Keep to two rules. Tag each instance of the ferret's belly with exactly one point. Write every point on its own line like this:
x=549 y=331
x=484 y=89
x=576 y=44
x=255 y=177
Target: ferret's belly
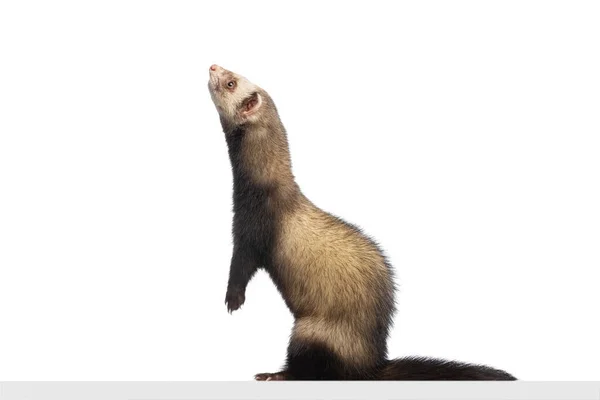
x=328 y=269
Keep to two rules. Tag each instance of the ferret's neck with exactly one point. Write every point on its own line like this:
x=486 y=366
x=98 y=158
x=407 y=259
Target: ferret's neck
x=260 y=159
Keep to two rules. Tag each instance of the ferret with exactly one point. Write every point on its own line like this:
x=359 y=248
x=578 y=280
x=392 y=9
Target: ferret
x=335 y=280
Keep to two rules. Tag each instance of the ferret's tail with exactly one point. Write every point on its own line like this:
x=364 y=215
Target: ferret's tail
x=431 y=369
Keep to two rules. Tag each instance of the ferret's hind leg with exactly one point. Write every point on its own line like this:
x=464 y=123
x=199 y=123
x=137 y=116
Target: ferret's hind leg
x=277 y=376
x=308 y=361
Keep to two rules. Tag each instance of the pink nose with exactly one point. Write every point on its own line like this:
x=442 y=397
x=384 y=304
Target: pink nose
x=214 y=67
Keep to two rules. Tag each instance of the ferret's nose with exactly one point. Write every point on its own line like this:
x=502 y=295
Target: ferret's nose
x=214 y=67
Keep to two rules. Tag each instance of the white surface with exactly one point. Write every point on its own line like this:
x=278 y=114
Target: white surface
x=300 y=390
x=463 y=136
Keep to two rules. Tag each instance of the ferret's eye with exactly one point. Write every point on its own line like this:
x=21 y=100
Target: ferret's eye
x=230 y=84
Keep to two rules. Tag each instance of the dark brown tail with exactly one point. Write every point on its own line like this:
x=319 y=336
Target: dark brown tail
x=312 y=361
x=431 y=369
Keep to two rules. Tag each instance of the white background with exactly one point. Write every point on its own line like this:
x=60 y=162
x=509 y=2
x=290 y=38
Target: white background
x=463 y=136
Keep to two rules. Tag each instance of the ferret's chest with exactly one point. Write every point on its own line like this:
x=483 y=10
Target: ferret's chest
x=254 y=223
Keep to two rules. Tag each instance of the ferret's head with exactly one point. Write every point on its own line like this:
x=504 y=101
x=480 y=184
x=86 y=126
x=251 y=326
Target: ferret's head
x=238 y=100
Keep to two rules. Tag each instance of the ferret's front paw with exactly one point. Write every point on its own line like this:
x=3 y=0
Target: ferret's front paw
x=234 y=299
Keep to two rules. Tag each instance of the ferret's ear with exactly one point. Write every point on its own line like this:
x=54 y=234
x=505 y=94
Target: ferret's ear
x=251 y=105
